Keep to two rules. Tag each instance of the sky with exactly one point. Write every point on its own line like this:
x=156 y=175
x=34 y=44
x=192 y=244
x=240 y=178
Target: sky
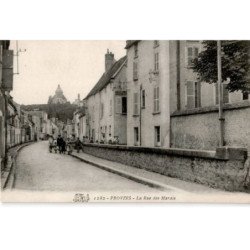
x=75 y=65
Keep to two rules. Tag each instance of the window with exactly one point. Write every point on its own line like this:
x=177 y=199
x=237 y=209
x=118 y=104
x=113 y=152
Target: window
x=135 y=71
x=197 y=94
x=156 y=43
x=136 y=136
x=109 y=130
x=156 y=61
x=110 y=107
x=102 y=110
x=136 y=50
x=192 y=53
x=156 y=99
x=136 y=110
x=118 y=105
x=124 y=105
x=143 y=98
x=245 y=95
x=193 y=95
x=225 y=94
x=157 y=136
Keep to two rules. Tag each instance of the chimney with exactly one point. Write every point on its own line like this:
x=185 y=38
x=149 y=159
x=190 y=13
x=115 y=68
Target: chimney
x=109 y=60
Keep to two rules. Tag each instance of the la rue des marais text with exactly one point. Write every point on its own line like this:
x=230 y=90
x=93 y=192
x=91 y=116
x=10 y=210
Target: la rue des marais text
x=87 y=198
x=133 y=198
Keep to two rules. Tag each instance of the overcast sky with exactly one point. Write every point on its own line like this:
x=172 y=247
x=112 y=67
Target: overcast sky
x=75 y=65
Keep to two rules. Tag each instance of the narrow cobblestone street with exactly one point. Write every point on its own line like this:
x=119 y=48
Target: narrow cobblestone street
x=39 y=170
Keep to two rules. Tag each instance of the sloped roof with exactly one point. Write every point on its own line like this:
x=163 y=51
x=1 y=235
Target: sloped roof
x=106 y=77
x=129 y=43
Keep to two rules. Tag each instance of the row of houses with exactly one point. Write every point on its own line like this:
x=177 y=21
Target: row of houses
x=152 y=98
x=16 y=125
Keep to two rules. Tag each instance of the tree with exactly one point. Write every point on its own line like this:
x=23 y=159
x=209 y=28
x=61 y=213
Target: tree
x=235 y=64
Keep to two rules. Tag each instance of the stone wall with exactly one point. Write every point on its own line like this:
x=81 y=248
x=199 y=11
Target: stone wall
x=215 y=169
x=199 y=128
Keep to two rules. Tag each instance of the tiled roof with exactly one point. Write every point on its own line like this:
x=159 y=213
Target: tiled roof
x=106 y=77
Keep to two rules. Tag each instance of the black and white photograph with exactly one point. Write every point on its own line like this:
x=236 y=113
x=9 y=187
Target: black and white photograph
x=125 y=121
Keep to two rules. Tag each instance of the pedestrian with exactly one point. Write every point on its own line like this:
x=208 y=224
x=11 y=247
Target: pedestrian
x=78 y=145
x=50 y=143
x=63 y=146
x=60 y=143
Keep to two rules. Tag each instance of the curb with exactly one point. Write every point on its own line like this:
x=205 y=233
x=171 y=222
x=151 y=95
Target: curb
x=138 y=179
x=11 y=171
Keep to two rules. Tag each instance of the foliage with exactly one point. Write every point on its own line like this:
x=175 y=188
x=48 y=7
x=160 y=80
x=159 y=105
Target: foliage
x=235 y=66
x=61 y=111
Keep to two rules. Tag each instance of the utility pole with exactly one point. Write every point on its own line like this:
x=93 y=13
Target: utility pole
x=17 y=57
x=220 y=94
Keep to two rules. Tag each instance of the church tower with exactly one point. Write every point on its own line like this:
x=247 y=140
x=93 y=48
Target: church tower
x=58 y=97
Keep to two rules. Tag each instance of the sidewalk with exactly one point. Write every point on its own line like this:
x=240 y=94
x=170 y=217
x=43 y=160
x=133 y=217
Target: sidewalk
x=145 y=177
x=7 y=175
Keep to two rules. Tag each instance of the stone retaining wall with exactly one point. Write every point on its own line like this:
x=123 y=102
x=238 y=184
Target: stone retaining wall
x=199 y=128
x=211 y=168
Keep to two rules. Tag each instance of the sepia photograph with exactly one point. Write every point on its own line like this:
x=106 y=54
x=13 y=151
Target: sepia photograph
x=125 y=121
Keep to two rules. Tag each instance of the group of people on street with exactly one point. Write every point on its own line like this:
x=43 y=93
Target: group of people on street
x=61 y=145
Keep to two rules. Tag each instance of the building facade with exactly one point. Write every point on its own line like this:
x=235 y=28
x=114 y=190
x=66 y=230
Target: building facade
x=148 y=84
x=106 y=117
x=161 y=82
x=6 y=85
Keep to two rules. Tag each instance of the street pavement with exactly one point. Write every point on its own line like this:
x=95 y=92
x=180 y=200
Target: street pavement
x=39 y=170
x=58 y=178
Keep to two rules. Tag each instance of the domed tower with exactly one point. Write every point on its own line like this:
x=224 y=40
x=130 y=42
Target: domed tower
x=59 y=96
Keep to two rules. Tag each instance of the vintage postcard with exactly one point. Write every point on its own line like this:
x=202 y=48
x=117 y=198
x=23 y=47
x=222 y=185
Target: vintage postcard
x=125 y=121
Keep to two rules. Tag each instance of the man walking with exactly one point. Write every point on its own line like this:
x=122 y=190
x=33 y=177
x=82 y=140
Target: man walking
x=78 y=145
x=60 y=143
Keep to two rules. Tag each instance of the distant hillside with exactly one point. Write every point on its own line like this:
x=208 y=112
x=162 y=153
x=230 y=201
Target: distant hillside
x=60 y=111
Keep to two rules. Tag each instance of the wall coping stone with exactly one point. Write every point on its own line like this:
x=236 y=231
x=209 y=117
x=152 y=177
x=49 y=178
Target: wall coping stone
x=210 y=109
x=157 y=150
x=231 y=153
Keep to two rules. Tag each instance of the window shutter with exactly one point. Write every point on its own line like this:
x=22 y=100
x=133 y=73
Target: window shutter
x=197 y=94
x=189 y=56
x=118 y=104
x=110 y=107
x=190 y=95
x=135 y=103
x=157 y=99
x=7 y=73
x=196 y=52
x=135 y=71
x=155 y=94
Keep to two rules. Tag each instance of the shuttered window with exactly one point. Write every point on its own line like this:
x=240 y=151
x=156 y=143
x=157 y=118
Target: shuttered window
x=156 y=61
x=193 y=94
x=110 y=107
x=136 y=103
x=135 y=71
x=156 y=99
x=102 y=110
x=190 y=94
x=197 y=94
x=118 y=104
x=192 y=53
